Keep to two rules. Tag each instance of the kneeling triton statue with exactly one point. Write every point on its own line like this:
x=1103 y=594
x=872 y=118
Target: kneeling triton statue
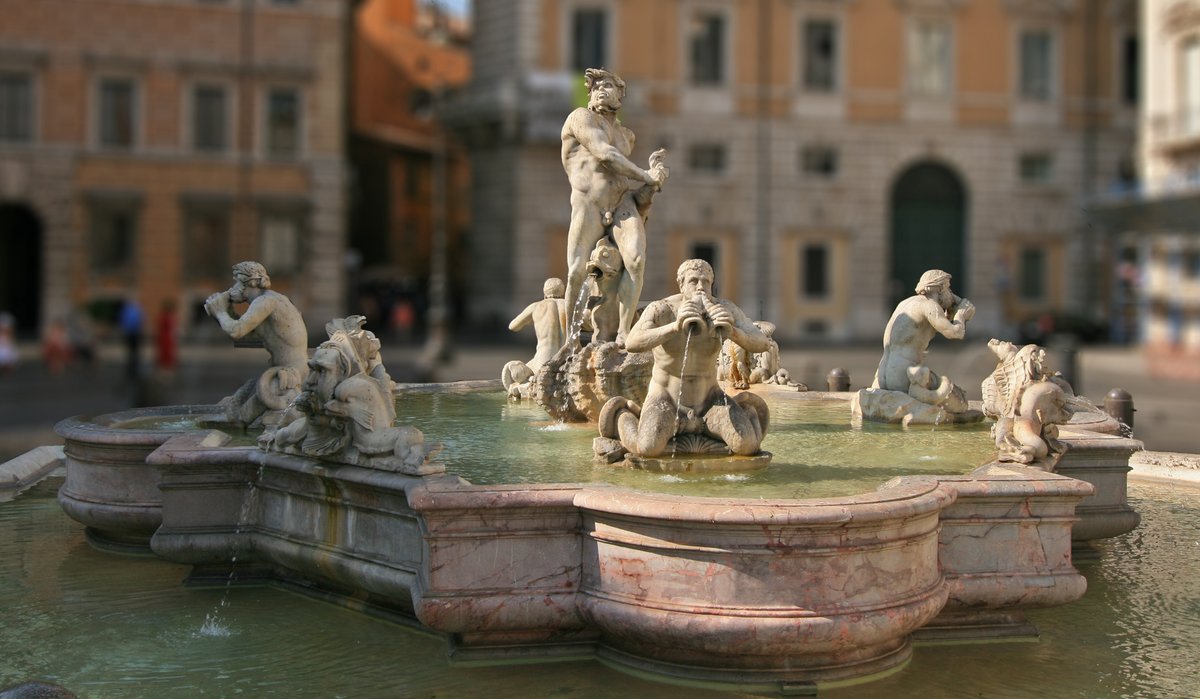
x=685 y=410
x=905 y=390
x=272 y=319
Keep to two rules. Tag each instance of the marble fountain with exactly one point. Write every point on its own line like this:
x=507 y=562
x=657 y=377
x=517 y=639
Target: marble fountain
x=317 y=476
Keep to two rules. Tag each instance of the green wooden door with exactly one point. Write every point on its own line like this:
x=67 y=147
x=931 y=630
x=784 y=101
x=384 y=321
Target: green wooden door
x=929 y=214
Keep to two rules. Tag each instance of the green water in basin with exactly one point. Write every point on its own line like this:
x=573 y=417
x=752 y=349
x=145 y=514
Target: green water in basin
x=116 y=626
x=817 y=451
x=184 y=423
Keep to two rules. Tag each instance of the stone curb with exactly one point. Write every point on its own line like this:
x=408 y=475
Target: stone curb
x=29 y=468
x=1166 y=466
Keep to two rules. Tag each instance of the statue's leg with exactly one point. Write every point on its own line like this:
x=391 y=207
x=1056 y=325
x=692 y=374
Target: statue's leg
x=740 y=422
x=586 y=228
x=629 y=233
x=649 y=435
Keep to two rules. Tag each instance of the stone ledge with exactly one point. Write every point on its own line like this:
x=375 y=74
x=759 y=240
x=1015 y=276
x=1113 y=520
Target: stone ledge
x=28 y=469
x=1166 y=466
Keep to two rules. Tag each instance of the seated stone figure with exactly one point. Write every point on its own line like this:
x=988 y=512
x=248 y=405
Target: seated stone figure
x=685 y=410
x=270 y=318
x=346 y=410
x=904 y=390
x=548 y=317
x=1027 y=401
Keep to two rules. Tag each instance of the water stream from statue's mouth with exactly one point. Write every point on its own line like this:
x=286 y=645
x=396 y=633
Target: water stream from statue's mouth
x=573 y=332
x=687 y=341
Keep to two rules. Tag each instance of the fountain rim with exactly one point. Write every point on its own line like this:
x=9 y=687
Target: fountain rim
x=438 y=491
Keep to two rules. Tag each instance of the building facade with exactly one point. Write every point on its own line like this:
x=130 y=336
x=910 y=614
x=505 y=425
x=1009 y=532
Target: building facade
x=1156 y=226
x=412 y=183
x=147 y=145
x=823 y=153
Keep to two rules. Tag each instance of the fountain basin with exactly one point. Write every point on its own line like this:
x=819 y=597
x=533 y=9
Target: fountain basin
x=733 y=591
x=109 y=487
x=757 y=593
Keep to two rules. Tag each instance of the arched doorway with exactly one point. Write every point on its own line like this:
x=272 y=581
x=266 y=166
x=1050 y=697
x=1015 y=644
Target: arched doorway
x=929 y=217
x=20 y=265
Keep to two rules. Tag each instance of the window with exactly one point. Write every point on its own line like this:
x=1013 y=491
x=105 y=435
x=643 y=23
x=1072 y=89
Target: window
x=821 y=161
x=589 y=39
x=929 y=59
x=706 y=36
x=1035 y=168
x=420 y=103
x=814 y=279
x=113 y=237
x=707 y=157
x=118 y=98
x=16 y=107
x=1191 y=264
x=1031 y=274
x=1190 y=90
x=280 y=238
x=210 y=118
x=1131 y=88
x=820 y=55
x=283 y=122
x=206 y=239
x=1037 y=65
x=707 y=251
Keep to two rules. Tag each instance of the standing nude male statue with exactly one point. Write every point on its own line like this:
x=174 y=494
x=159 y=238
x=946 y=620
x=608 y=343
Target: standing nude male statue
x=595 y=155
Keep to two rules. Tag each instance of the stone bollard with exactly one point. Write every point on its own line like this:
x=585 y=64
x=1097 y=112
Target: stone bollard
x=838 y=380
x=1063 y=350
x=1119 y=404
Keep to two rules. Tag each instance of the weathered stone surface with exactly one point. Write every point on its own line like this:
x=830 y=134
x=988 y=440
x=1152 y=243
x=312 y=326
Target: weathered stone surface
x=893 y=406
x=574 y=386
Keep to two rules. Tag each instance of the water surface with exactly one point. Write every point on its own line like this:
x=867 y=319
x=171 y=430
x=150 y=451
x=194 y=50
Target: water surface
x=116 y=626
x=817 y=451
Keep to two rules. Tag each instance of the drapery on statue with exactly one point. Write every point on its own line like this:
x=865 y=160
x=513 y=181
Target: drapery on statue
x=346 y=410
x=684 y=402
x=1027 y=401
x=272 y=319
x=604 y=201
x=904 y=389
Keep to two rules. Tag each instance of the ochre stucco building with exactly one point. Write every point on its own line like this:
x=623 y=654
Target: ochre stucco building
x=146 y=145
x=823 y=152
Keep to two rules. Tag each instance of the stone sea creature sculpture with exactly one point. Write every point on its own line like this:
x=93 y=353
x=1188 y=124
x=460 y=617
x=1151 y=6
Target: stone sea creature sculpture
x=574 y=384
x=904 y=389
x=578 y=381
x=272 y=319
x=604 y=270
x=742 y=369
x=1027 y=402
x=610 y=195
x=549 y=319
x=346 y=410
x=685 y=411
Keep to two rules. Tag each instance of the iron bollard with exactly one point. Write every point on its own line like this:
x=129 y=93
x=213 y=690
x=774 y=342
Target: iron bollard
x=1119 y=404
x=838 y=380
